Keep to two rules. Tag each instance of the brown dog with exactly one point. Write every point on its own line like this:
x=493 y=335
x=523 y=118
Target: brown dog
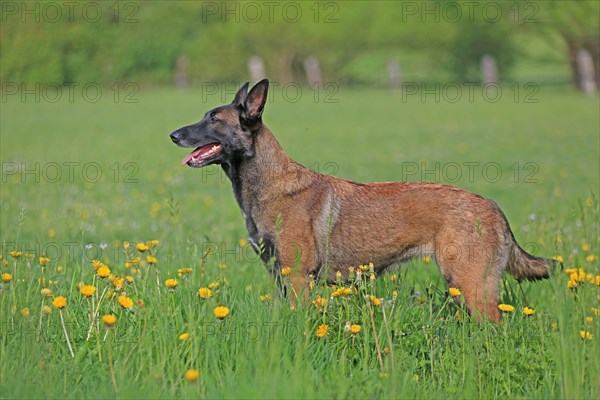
x=321 y=224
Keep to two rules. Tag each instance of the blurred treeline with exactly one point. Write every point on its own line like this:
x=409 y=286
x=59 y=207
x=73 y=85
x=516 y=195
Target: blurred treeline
x=353 y=41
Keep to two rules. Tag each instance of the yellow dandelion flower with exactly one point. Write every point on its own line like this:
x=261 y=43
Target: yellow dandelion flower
x=528 y=311
x=97 y=264
x=118 y=283
x=205 y=293
x=59 y=268
x=596 y=311
x=243 y=243
x=184 y=271
x=363 y=268
x=591 y=258
x=47 y=310
x=322 y=330
x=129 y=278
x=88 y=290
x=15 y=254
x=585 y=247
x=46 y=292
x=213 y=285
x=454 y=292
x=506 y=308
x=393 y=277
x=221 y=312
x=6 y=277
x=151 y=260
x=103 y=271
x=125 y=302
x=572 y=284
x=559 y=258
x=154 y=242
x=375 y=300
x=286 y=271
x=395 y=293
x=338 y=275
x=142 y=247
x=265 y=297
x=319 y=302
x=589 y=202
x=192 y=375
x=125 y=245
x=598 y=280
x=589 y=320
x=59 y=302
x=426 y=259
x=355 y=329
x=184 y=336
x=44 y=260
x=585 y=335
x=25 y=312
x=171 y=283
x=109 y=320
x=571 y=271
x=343 y=291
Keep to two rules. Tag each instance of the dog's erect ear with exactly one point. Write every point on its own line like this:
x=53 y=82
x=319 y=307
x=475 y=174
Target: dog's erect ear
x=240 y=96
x=255 y=102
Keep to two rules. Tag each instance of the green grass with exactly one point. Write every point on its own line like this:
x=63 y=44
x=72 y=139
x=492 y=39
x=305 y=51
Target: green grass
x=548 y=156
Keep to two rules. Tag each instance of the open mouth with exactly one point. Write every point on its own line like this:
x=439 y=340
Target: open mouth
x=202 y=154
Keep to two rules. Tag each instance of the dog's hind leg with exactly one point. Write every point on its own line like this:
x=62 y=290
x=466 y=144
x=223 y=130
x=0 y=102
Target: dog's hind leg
x=476 y=277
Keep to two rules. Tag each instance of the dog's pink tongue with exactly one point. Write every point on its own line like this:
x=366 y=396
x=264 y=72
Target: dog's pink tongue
x=188 y=157
x=202 y=153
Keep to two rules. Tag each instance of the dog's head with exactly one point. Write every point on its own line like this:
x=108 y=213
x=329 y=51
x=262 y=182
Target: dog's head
x=225 y=132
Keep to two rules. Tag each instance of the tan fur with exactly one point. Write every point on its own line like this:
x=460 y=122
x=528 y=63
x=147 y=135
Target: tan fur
x=383 y=223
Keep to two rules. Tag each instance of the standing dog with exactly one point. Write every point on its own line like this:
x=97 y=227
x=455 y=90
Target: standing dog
x=321 y=224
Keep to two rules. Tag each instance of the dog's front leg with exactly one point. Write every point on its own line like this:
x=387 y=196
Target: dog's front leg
x=297 y=258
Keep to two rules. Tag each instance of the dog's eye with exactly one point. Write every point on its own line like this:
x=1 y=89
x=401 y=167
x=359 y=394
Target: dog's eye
x=212 y=114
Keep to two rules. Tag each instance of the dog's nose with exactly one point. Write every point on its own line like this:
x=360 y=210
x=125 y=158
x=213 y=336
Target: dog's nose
x=175 y=136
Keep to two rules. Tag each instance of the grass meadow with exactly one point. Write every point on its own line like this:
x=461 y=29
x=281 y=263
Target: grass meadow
x=97 y=212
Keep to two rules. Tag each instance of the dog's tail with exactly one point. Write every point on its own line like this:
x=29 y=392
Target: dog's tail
x=522 y=265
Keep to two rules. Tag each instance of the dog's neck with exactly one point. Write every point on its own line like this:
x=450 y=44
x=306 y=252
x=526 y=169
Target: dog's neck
x=269 y=171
